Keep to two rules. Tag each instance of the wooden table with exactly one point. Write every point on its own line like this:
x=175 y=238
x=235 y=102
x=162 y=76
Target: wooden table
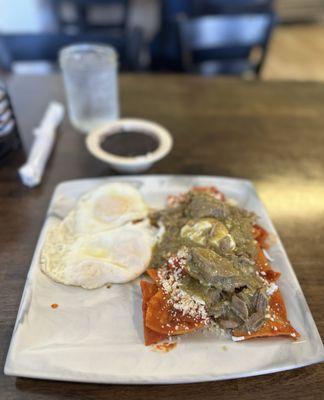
x=271 y=133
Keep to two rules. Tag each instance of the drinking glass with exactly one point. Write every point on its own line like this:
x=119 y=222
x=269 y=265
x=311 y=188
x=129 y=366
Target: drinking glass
x=90 y=79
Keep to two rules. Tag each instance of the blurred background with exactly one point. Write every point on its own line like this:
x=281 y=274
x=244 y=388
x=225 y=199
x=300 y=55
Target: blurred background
x=281 y=39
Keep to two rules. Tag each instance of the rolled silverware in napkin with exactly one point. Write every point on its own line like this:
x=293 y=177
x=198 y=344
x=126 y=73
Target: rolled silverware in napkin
x=32 y=171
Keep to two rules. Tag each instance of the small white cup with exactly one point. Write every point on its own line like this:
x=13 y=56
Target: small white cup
x=133 y=164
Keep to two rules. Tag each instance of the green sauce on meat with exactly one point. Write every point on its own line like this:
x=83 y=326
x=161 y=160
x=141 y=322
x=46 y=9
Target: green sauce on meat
x=217 y=239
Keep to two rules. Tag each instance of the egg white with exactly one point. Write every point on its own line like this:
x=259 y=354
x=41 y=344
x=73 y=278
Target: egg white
x=108 y=206
x=91 y=261
x=98 y=242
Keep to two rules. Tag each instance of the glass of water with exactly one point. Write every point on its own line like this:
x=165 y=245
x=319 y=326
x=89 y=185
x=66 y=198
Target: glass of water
x=90 y=79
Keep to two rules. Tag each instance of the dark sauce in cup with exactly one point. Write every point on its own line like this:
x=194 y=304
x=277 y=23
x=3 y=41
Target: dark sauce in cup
x=130 y=143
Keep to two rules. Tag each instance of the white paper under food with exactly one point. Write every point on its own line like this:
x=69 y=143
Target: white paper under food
x=97 y=336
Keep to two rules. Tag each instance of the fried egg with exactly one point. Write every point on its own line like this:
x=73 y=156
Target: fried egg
x=108 y=206
x=98 y=242
x=118 y=255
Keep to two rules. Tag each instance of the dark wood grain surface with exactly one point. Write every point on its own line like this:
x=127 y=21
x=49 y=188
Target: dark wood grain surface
x=271 y=133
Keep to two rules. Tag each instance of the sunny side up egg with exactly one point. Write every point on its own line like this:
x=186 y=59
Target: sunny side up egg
x=91 y=261
x=87 y=249
x=108 y=206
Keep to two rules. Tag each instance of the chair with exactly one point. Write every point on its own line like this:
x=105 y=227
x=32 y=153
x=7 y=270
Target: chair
x=165 y=48
x=215 y=45
x=225 y=7
x=81 y=10
x=46 y=46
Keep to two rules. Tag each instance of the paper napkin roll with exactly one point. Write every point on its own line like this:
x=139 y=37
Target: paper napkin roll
x=32 y=171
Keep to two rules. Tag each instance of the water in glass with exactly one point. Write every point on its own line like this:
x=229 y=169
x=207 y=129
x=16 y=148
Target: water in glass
x=90 y=78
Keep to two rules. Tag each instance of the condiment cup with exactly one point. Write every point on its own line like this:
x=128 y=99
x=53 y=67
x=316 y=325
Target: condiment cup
x=130 y=164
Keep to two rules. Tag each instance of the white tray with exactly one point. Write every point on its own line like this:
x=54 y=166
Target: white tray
x=97 y=336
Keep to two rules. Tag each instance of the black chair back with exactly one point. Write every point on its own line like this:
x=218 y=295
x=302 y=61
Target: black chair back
x=212 y=7
x=46 y=46
x=82 y=10
x=165 y=47
x=223 y=44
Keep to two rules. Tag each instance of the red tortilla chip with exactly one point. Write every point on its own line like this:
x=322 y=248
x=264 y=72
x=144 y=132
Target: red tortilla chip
x=265 y=268
x=162 y=318
x=153 y=273
x=148 y=291
x=261 y=236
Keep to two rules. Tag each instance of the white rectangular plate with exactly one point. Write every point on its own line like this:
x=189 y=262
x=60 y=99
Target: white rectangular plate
x=97 y=336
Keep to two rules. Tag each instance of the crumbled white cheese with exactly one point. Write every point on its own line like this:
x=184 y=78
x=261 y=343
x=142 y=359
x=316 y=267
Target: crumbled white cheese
x=182 y=253
x=198 y=300
x=271 y=289
x=238 y=338
x=180 y=300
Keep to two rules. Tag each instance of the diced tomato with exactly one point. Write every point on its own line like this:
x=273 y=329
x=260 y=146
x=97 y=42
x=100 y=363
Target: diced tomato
x=212 y=189
x=173 y=201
